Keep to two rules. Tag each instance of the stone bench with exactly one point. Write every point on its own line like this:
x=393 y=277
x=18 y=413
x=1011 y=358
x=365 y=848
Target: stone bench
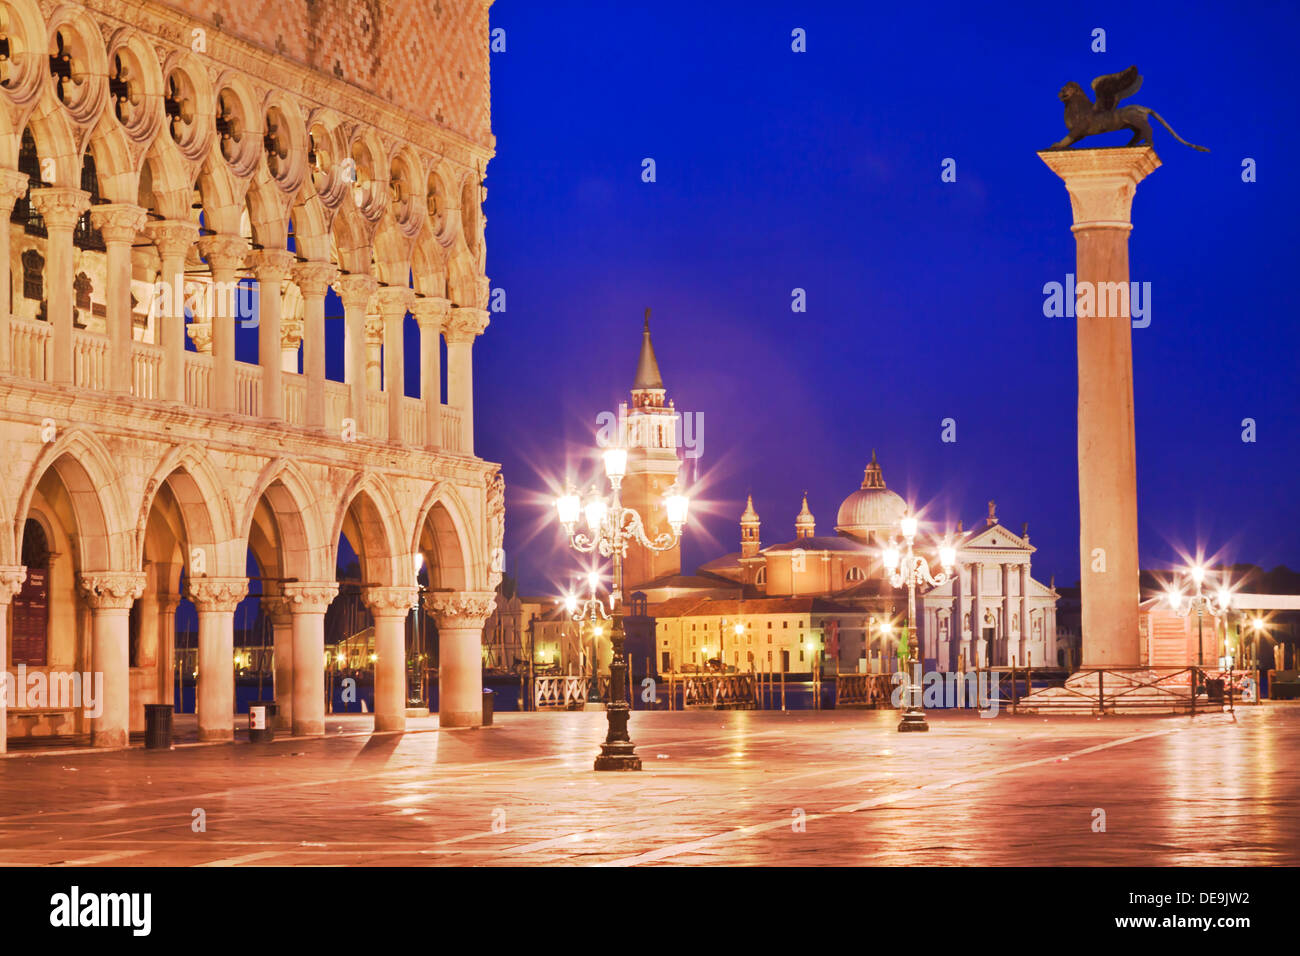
x=42 y=721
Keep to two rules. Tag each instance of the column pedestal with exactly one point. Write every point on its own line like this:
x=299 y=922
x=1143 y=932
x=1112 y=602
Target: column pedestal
x=1101 y=184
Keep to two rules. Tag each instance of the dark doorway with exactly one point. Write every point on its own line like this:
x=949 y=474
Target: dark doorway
x=32 y=603
x=991 y=643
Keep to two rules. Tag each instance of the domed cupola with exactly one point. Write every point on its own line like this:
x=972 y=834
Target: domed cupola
x=873 y=508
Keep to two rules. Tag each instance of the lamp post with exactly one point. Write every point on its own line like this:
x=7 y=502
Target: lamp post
x=1201 y=602
x=907 y=569
x=611 y=529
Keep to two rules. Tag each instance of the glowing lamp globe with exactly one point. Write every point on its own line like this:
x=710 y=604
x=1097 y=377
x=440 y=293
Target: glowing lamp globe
x=615 y=462
x=908 y=524
x=568 y=506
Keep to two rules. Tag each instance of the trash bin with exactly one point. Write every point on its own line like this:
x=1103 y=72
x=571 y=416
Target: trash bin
x=1214 y=690
x=487 y=707
x=158 y=726
x=260 y=729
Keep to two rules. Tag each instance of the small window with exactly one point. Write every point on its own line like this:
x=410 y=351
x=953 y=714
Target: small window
x=785 y=624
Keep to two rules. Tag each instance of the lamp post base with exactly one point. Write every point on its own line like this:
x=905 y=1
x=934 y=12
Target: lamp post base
x=618 y=756
x=913 y=721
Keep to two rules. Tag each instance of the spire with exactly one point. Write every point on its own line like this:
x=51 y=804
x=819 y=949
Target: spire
x=750 y=516
x=749 y=530
x=804 y=523
x=993 y=514
x=873 y=478
x=647 y=368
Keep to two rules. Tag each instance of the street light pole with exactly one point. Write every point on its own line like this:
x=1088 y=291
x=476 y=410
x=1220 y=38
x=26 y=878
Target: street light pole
x=611 y=528
x=909 y=569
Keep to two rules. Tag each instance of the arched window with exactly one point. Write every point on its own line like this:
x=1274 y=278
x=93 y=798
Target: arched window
x=32 y=603
x=855 y=574
x=760 y=579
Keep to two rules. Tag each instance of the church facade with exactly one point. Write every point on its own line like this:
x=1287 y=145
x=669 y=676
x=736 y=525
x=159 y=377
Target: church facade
x=832 y=587
x=168 y=173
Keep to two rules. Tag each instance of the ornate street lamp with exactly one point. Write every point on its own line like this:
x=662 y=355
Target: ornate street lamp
x=611 y=529
x=1218 y=606
x=907 y=569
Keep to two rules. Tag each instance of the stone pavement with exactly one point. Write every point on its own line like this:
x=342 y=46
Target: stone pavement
x=741 y=788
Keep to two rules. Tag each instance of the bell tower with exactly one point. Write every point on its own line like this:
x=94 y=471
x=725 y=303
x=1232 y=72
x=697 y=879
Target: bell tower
x=649 y=433
x=749 y=527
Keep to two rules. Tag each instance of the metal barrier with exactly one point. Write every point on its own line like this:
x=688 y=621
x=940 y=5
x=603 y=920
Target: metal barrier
x=560 y=692
x=864 y=690
x=719 y=691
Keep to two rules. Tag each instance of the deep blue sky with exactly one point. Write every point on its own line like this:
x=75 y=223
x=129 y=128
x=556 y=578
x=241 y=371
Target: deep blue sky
x=821 y=170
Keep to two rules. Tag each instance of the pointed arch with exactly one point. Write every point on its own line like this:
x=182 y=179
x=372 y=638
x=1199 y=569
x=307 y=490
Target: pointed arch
x=443 y=535
x=368 y=506
x=205 y=507
x=290 y=499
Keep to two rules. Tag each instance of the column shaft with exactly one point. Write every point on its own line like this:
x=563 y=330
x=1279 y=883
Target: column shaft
x=271 y=267
x=355 y=291
x=172 y=239
x=225 y=255
x=978 y=656
x=313 y=278
x=118 y=223
x=13 y=186
x=110 y=595
x=61 y=208
x=431 y=314
x=308 y=603
x=216 y=600
x=460 y=654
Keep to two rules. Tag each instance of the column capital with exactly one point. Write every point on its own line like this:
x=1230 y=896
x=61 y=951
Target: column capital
x=460 y=609
x=390 y=602
x=291 y=332
x=394 y=301
x=60 y=206
x=118 y=221
x=277 y=607
x=431 y=313
x=313 y=278
x=1102 y=182
x=224 y=252
x=270 y=265
x=168 y=603
x=310 y=597
x=11 y=581
x=465 y=325
x=355 y=290
x=217 y=594
x=111 y=589
x=13 y=187
x=374 y=326
x=172 y=237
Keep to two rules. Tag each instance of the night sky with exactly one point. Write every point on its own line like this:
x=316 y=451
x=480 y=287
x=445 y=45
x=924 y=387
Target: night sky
x=821 y=170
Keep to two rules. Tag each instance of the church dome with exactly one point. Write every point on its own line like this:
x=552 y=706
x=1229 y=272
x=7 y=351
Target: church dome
x=873 y=507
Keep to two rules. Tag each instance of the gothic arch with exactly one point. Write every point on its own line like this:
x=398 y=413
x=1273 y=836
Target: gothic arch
x=205 y=507
x=377 y=520
x=452 y=554
x=290 y=497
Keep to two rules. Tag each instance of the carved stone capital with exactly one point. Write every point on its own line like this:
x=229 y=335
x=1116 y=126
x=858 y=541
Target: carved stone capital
x=310 y=597
x=278 y=608
x=11 y=581
x=460 y=609
x=355 y=290
x=217 y=594
x=1102 y=182
x=314 y=278
x=172 y=237
x=223 y=253
x=111 y=589
x=390 y=602
x=431 y=313
x=118 y=221
x=270 y=265
x=291 y=332
x=200 y=334
x=464 y=325
x=13 y=187
x=60 y=207
x=394 y=301
x=374 y=326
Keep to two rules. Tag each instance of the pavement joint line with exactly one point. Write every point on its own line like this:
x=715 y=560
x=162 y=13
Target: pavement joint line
x=678 y=849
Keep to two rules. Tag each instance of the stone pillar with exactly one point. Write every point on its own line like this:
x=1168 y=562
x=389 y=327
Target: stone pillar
x=977 y=613
x=374 y=329
x=11 y=581
x=308 y=603
x=460 y=616
x=279 y=612
x=167 y=604
x=461 y=329
x=271 y=267
x=1006 y=616
x=313 y=279
x=1101 y=184
x=110 y=595
x=60 y=208
x=393 y=304
x=1026 y=635
x=173 y=239
x=355 y=291
x=119 y=223
x=956 y=633
x=225 y=255
x=13 y=186
x=390 y=608
x=216 y=600
x=431 y=314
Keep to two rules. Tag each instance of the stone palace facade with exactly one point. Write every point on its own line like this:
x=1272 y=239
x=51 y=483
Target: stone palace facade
x=169 y=172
